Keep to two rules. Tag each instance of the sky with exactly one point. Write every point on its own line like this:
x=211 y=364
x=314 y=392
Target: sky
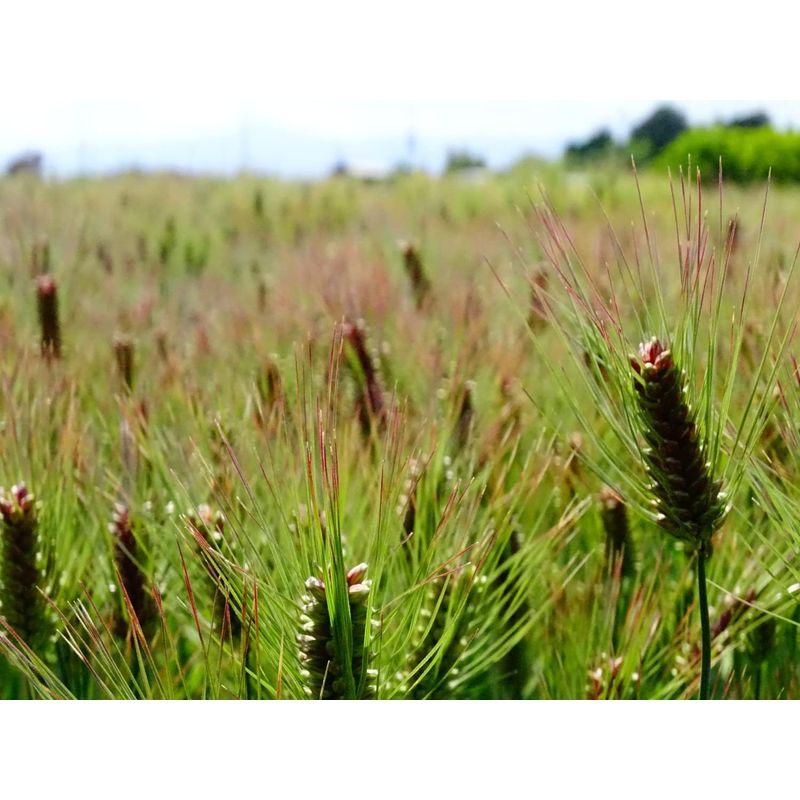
x=291 y=89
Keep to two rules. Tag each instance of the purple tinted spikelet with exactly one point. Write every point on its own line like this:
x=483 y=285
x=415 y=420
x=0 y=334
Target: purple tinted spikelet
x=136 y=599
x=688 y=499
x=124 y=355
x=614 y=516
x=23 y=604
x=49 y=325
x=420 y=285
x=270 y=385
x=371 y=405
x=321 y=664
x=733 y=609
x=465 y=418
x=104 y=257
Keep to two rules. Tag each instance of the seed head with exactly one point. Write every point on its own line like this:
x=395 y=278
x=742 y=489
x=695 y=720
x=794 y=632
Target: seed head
x=131 y=576
x=123 y=354
x=23 y=604
x=208 y=527
x=465 y=419
x=688 y=500
x=614 y=515
x=17 y=506
x=322 y=668
x=50 y=327
x=420 y=285
x=371 y=405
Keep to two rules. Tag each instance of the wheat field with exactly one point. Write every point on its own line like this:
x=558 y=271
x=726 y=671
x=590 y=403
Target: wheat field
x=265 y=439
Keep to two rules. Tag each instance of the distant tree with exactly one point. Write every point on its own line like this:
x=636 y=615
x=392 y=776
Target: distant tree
x=758 y=119
x=747 y=154
x=458 y=160
x=663 y=126
x=402 y=167
x=26 y=163
x=340 y=168
x=597 y=145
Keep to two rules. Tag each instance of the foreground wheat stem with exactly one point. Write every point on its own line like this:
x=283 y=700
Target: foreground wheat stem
x=688 y=498
x=705 y=651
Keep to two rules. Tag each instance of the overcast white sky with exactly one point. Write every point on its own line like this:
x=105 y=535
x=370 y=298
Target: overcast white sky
x=291 y=88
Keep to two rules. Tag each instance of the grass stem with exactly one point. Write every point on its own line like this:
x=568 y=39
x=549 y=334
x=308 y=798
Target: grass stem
x=705 y=651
